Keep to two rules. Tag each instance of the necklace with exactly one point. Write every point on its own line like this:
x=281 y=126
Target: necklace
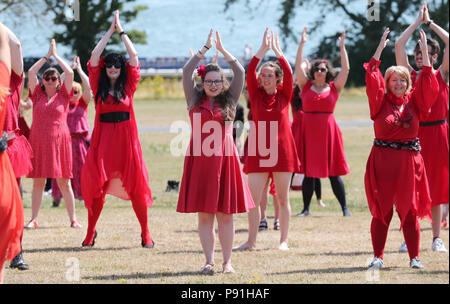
x=402 y=118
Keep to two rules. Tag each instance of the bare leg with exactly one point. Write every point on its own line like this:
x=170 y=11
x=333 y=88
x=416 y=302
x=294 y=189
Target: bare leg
x=282 y=182
x=207 y=235
x=436 y=215
x=226 y=236
x=36 y=198
x=67 y=194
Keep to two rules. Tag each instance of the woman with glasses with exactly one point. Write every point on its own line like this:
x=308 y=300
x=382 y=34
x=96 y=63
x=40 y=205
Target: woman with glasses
x=213 y=184
x=395 y=171
x=114 y=162
x=323 y=148
x=79 y=131
x=50 y=135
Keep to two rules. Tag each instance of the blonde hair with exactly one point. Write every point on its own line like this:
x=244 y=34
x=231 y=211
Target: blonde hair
x=401 y=71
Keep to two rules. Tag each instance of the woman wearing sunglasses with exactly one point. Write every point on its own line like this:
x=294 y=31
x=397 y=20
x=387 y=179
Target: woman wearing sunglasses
x=50 y=135
x=114 y=163
x=213 y=184
x=395 y=172
x=323 y=148
x=79 y=131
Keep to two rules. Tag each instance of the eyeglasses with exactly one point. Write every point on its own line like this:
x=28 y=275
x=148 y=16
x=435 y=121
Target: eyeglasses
x=53 y=78
x=213 y=82
x=116 y=65
x=323 y=70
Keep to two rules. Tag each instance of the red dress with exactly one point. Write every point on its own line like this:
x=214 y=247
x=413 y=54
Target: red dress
x=435 y=146
x=213 y=183
x=296 y=128
x=49 y=136
x=270 y=111
x=115 y=150
x=322 y=153
x=397 y=177
x=79 y=131
x=19 y=149
x=11 y=209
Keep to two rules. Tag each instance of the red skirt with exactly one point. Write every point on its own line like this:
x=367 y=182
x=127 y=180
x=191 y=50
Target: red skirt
x=435 y=153
x=20 y=155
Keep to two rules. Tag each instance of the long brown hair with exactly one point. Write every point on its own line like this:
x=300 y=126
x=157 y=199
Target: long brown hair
x=224 y=98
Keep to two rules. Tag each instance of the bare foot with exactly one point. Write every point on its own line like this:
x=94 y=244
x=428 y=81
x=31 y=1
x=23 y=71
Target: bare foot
x=244 y=247
x=208 y=269
x=32 y=224
x=320 y=203
x=227 y=268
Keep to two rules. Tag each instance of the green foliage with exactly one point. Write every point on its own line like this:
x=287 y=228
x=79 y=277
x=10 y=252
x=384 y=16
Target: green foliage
x=363 y=35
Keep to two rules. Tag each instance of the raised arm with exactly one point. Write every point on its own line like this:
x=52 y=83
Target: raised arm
x=400 y=52
x=265 y=45
x=5 y=53
x=33 y=71
x=300 y=73
x=84 y=79
x=341 y=78
x=288 y=79
x=98 y=50
x=443 y=34
x=132 y=53
x=238 y=70
x=16 y=52
x=68 y=81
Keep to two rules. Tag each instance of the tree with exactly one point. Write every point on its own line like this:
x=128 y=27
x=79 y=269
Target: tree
x=364 y=33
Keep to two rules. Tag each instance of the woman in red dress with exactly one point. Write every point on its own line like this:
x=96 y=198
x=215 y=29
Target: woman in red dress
x=49 y=135
x=271 y=147
x=395 y=173
x=79 y=131
x=11 y=209
x=433 y=129
x=213 y=184
x=323 y=148
x=114 y=162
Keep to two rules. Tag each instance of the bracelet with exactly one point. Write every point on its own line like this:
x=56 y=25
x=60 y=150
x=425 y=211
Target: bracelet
x=122 y=33
x=429 y=22
x=206 y=47
x=46 y=59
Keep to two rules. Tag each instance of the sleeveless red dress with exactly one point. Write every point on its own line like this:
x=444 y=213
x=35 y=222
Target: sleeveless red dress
x=19 y=149
x=435 y=145
x=49 y=135
x=213 y=180
x=397 y=177
x=322 y=153
x=268 y=112
x=115 y=150
x=11 y=209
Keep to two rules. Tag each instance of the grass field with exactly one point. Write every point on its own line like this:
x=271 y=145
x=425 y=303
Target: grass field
x=325 y=247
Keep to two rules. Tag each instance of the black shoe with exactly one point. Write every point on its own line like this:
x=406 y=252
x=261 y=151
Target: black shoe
x=19 y=263
x=56 y=204
x=346 y=212
x=263 y=225
x=93 y=241
x=147 y=245
x=303 y=213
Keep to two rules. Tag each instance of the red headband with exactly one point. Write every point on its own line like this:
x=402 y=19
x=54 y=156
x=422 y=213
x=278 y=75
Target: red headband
x=201 y=71
x=101 y=63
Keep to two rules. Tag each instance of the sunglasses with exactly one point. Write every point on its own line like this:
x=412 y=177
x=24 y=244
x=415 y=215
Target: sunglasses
x=213 y=82
x=116 y=65
x=323 y=70
x=75 y=92
x=53 y=78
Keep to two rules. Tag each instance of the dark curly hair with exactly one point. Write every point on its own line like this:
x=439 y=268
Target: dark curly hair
x=297 y=103
x=104 y=84
x=316 y=63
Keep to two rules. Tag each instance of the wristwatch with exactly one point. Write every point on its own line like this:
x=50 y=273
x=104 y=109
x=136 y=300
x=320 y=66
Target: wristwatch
x=429 y=22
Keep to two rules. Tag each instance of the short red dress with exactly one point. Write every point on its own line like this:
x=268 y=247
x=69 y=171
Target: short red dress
x=79 y=131
x=115 y=150
x=268 y=112
x=322 y=153
x=433 y=135
x=213 y=183
x=49 y=135
x=397 y=177
x=11 y=209
x=19 y=149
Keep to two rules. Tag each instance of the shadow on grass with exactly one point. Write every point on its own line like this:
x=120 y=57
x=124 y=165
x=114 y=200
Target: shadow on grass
x=330 y=270
x=370 y=253
x=73 y=249
x=135 y=276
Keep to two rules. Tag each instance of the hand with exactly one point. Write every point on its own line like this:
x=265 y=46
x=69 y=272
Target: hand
x=342 y=40
x=52 y=49
x=112 y=27
x=73 y=66
x=423 y=45
x=426 y=14
x=383 y=42
x=210 y=39
x=276 y=45
x=266 y=43
x=420 y=17
x=78 y=62
x=218 y=41
x=304 y=35
x=118 y=26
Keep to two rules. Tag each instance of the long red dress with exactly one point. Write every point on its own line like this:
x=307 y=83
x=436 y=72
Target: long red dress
x=19 y=149
x=50 y=136
x=397 y=177
x=79 y=131
x=213 y=180
x=322 y=153
x=435 y=145
x=269 y=111
x=115 y=150
x=11 y=209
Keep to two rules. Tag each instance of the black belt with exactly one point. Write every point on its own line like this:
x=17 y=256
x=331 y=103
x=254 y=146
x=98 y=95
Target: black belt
x=3 y=142
x=115 y=117
x=413 y=145
x=432 y=123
